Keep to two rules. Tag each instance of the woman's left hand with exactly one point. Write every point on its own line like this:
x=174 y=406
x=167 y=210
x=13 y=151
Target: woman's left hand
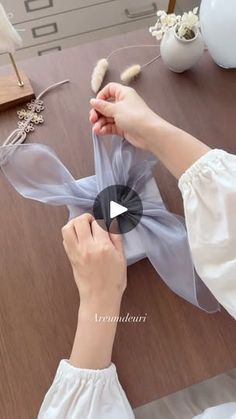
x=97 y=260
x=100 y=272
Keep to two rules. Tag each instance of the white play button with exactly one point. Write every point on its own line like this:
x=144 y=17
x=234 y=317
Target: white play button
x=120 y=203
x=116 y=209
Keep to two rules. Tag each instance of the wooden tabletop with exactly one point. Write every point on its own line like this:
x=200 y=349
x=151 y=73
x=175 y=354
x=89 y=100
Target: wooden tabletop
x=179 y=344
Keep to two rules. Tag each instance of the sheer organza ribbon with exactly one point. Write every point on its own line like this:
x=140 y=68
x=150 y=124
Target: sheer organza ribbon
x=37 y=173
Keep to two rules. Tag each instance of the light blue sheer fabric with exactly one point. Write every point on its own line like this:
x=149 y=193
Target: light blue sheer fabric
x=36 y=172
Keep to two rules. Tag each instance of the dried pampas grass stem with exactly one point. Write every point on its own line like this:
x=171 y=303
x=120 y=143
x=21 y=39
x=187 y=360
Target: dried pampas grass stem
x=130 y=47
x=127 y=75
x=130 y=73
x=150 y=62
x=134 y=70
x=98 y=74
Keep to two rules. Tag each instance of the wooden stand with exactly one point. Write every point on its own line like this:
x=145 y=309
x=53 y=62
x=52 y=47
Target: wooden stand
x=11 y=94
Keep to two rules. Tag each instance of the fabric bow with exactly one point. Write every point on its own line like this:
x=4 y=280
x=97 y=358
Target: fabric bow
x=36 y=172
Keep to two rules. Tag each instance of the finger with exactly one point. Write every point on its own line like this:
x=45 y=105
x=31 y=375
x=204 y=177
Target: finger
x=99 y=234
x=110 y=91
x=93 y=116
x=106 y=130
x=109 y=129
x=82 y=226
x=116 y=237
x=69 y=236
x=117 y=242
x=103 y=107
x=102 y=122
x=97 y=127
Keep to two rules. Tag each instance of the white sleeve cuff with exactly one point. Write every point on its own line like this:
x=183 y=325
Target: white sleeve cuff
x=212 y=160
x=84 y=393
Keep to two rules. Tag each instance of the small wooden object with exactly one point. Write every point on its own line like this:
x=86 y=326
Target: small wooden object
x=171 y=6
x=11 y=94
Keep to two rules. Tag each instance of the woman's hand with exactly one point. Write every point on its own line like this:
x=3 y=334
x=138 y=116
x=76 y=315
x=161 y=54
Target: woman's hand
x=120 y=110
x=100 y=272
x=97 y=260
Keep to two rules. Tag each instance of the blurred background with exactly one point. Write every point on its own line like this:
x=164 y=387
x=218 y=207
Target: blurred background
x=52 y=25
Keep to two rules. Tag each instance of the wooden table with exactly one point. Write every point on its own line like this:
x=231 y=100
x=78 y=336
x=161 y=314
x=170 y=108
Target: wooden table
x=179 y=344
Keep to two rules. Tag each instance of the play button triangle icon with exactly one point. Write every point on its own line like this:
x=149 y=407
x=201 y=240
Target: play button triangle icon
x=116 y=209
x=120 y=203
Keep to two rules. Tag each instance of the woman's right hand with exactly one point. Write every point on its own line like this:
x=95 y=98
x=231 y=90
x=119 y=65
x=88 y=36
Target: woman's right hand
x=119 y=110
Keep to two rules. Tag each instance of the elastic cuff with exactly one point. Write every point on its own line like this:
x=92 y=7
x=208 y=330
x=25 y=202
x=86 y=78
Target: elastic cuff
x=67 y=370
x=211 y=157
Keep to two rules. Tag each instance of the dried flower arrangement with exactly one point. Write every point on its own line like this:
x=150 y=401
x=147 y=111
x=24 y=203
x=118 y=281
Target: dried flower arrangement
x=185 y=24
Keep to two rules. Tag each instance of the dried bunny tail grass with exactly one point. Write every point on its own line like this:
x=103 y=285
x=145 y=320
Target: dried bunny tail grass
x=98 y=74
x=130 y=73
x=133 y=71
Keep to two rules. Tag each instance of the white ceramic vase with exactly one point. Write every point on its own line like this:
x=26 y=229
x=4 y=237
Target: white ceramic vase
x=181 y=54
x=218 y=25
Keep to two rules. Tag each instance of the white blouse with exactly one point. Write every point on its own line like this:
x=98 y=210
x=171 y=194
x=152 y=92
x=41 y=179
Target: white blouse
x=209 y=193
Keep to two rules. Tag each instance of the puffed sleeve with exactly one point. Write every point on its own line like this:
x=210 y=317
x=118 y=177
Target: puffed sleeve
x=82 y=393
x=224 y=411
x=209 y=193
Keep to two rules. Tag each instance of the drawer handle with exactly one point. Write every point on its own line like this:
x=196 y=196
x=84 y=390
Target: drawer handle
x=135 y=15
x=49 y=50
x=44 y=30
x=34 y=5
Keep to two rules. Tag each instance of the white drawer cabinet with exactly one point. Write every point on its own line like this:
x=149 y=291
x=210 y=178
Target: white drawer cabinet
x=24 y=10
x=84 y=20
x=59 y=45
x=62 y=28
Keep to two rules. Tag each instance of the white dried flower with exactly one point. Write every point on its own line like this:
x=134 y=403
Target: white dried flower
x=163 y=24
x=158 y=34
x=163 y=18
x=171 y=19
x=153 y=28
x=187 y=22
x=182 y=31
